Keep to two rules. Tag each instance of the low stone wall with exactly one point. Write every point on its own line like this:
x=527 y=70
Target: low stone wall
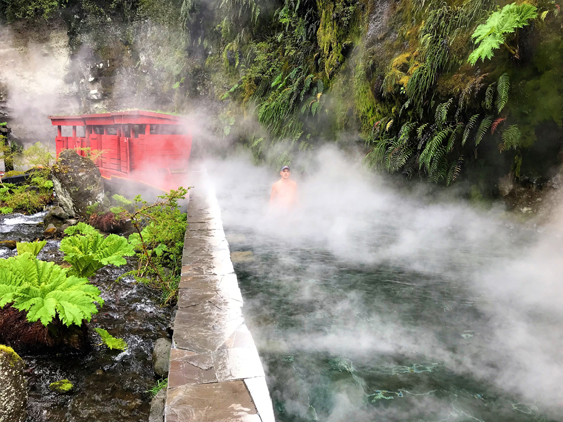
x=215 y=371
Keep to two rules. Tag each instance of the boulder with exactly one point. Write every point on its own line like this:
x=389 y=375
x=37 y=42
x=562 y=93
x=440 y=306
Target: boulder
x=56 y=216
x=77 y=182
x=161 y=356
x=13 y=394
x=157 y=406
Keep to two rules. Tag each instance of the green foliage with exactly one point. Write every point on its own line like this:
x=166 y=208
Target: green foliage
x=110 y=341
x=492 y=34
x=511 y=138
x=160 y=230
x=32 y=248
x=483 y=128
x=160 y=385
x=81 y=228
x=91 y=251
x=6 y=210
x=45 y=291
x=502 y=91
x=25 y=9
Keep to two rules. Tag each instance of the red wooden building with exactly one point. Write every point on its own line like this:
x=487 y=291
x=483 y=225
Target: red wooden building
x=152 y=148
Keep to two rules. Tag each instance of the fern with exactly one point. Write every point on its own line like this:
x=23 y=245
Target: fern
x=45 y=290
x=502 y=91
x=454 y=170
x=442 y=112
x=483 y=128
x=490 y=96
x=89 y=253
x=492 y=34
x=32 y=248
x=432 y=150
x=468 y=128
x=511 y=138
x=110 y=341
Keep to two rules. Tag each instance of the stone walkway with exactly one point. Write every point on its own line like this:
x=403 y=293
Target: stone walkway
x=215 y=371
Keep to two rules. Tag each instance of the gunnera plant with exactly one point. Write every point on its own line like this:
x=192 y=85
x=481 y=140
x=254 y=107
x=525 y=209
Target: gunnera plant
x=42 y=305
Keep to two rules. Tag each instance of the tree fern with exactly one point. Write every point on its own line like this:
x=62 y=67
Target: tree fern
x=502 y=91
x=483 y=128
x=44 y=290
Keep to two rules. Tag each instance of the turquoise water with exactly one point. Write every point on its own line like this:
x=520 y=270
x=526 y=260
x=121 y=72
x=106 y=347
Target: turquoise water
x=345 y=341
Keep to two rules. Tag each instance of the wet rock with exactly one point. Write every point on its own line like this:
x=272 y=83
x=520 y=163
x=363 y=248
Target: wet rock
x=72 y=222
x=50 y=230
x=161 y=356
x=13 y=393
x=10 y=244
x=157 y=406
x=56 y=216
x=62 y=386
x=77 y=183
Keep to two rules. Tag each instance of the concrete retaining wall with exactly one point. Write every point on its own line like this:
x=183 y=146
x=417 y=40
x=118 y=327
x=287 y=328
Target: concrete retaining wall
x=215 y=371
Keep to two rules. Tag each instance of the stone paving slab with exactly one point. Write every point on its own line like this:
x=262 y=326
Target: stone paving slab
x=215 y=371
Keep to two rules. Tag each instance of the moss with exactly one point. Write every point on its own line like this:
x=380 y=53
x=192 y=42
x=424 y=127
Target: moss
x=62 y=386
x=14 y=357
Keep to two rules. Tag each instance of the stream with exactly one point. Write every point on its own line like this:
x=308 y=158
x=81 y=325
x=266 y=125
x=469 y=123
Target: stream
x=109 y=385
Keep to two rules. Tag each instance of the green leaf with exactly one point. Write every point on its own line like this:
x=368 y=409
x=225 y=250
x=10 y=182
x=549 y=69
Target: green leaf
x=110 y=341
x=89 y=253
x=81 y=228
x=6 y=210
x=502 y=91
x=492 y=34
x=30 y=247
x=44 y=290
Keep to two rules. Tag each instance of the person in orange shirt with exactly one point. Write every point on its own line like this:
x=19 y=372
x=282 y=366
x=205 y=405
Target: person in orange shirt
x=284 y=191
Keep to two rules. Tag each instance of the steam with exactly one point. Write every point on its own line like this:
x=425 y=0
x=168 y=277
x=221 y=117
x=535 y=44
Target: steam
x=509 y=275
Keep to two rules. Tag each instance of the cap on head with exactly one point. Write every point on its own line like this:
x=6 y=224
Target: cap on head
x=285 y=168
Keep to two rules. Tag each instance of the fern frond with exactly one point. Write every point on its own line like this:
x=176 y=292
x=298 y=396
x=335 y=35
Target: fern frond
x=483 y=128
x=420 y=130
x=454 y=171
x=455 y=133
x=502 y=91
x=490 y=96
x=442 y=112
x=511 y=137
x=468 y=128
x=496 y=123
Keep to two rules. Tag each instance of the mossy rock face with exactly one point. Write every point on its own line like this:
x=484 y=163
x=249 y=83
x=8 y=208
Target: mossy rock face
x=13 y=390
x=62 y=386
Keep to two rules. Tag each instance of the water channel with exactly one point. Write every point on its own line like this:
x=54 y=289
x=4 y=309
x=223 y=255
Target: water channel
x=372 y=305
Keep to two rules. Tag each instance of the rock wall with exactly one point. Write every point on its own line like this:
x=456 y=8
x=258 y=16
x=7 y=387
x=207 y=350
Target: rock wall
x=215 y=371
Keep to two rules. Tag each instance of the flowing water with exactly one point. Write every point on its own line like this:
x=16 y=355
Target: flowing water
x=108 y=385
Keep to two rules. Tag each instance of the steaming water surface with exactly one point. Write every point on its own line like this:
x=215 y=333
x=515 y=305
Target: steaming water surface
x=393 y=309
